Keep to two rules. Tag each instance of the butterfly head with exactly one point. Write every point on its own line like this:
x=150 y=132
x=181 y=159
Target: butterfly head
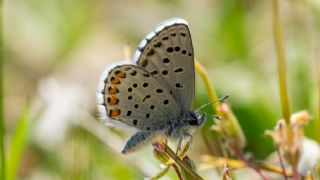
x=196 y=118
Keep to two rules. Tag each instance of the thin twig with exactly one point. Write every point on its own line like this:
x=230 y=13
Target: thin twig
x=239 y=154
x=295 y=174
x=281 y=162
x=226 y=174
x=175 y=167
x=272 y=168
x=220 y=161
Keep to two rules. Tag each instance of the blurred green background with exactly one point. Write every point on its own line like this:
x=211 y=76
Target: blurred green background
x=55 y=51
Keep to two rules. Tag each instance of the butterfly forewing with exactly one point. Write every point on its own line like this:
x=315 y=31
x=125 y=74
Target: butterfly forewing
x=132 y=96
x=167 y=54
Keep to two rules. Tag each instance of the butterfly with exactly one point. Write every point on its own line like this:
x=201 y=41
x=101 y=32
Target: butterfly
x=154 y=92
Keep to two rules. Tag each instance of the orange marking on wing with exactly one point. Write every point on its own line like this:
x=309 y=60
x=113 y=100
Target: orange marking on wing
x=114 y=112
x=122 y=74
x=115 y=80
x=113 y=90
x=112 y=100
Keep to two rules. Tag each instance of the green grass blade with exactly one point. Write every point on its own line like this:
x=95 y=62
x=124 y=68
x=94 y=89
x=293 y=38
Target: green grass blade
x=161 y=173
x=282 y=74
x=2 y=157
x=17 y=144
x=317 y=65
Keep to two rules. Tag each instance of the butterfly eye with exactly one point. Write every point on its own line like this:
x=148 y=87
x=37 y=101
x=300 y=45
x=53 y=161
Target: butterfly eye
x=193 y=122
x=196 y=119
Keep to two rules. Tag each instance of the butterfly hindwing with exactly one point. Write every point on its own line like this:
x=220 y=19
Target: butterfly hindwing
x=130 y=95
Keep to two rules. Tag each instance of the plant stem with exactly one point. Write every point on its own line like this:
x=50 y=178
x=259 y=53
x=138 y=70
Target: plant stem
x=281 y=61
x=175 y=167
x=215 y=106
x=211 y=90
x=225 y=174
x=233 y=163
x=239 y=154
x=277 y=30
x=281 y=162
x=295 y=174
x=2 y=134
x=317 y=67
x=161 y=173
x=272 y=168
x=282 y=76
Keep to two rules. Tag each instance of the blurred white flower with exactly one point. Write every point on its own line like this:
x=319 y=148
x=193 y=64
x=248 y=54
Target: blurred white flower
x=60 y=101
x=310 y=156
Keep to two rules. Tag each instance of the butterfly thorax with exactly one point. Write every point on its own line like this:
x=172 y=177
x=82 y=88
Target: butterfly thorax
x=185 y=124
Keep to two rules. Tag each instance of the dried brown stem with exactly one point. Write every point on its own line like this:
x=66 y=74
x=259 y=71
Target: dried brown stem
x=175 y=167
x=281 y=162
x=239 y=155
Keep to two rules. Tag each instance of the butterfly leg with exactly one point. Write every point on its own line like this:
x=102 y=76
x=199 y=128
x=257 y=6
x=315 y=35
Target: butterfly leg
x=189 y=142
x=137 y=141
x=179 y=146
x=166 y=141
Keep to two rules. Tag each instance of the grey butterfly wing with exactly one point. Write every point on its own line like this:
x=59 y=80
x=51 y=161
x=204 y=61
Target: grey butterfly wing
x=130 y=95
x=167 y=54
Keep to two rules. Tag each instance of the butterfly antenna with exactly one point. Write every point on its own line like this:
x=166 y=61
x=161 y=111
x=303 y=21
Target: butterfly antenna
x=209 y=103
